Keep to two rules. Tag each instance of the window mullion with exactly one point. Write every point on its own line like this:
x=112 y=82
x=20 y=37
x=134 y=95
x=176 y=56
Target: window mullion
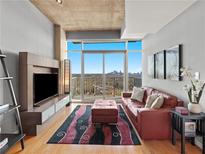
x=104 y=76
x=82 y=73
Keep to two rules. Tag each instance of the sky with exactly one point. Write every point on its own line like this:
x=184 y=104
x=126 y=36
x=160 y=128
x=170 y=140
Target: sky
x=93 y=63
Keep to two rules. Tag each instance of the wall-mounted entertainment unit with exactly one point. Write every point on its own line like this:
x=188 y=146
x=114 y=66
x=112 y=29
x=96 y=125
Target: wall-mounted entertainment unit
x=39 y=95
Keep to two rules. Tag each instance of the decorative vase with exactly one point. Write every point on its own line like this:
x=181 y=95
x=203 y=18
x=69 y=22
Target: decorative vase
x=194 y=108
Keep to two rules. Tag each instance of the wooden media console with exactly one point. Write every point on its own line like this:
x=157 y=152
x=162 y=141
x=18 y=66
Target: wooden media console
x=34 y=119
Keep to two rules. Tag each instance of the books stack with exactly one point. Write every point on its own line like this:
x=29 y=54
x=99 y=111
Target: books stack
x=4 y=107
x=3 y=142
x=190 y=129
x=182 y=110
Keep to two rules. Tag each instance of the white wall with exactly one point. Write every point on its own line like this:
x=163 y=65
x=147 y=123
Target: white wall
x=22 y=28
x=187 y=29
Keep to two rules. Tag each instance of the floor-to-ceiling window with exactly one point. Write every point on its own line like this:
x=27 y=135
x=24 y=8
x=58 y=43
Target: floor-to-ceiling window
x=104 y=69
x=74 y=55
x=134 y=68
x=114 y=74
x=93 y=76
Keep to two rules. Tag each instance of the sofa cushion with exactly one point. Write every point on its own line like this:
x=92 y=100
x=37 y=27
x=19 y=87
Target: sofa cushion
x=137 y=94
x=137 y=104
x=150 y=100
x=158 y=102
x=133 y=107
x=170 y=101
x=148 y=91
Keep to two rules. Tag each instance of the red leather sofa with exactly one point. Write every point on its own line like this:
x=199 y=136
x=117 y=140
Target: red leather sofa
x=151 y=123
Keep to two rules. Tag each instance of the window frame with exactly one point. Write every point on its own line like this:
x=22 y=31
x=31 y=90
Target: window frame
x=126 y=59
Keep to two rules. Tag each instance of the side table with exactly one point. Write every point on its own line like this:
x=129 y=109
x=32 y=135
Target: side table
x=178 y=124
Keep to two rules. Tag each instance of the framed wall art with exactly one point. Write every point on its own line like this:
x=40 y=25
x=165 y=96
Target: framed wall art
x=173 y=63
x=160 y=72
x=151 y=66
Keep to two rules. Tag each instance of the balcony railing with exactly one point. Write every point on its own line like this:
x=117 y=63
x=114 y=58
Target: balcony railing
x=93 y=86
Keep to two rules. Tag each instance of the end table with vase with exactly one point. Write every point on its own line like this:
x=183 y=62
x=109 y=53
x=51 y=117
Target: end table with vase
x=178 y=124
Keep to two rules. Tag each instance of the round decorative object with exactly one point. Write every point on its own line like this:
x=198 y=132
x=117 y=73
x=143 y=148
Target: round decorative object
x=61 y=134
x=194 y=108
x=115 y=134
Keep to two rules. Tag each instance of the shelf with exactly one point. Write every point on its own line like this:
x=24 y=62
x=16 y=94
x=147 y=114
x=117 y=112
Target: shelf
x=12 y=139
x=2 y=56
x=3 y=111
x=6 y=78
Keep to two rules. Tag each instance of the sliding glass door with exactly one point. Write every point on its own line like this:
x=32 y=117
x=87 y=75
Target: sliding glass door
x=75 y=58
x=93 y=76
x=103 y=75
x=134 y=70
x=114 y=74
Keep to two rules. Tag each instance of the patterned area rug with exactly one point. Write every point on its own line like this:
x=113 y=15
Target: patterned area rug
x=78 y=129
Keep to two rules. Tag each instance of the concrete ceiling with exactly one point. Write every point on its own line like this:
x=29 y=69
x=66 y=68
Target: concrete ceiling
x=81 y=15
x=135 y=18
x=144 y=17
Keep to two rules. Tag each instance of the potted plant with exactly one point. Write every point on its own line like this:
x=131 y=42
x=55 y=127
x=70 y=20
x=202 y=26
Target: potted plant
x=194 y=90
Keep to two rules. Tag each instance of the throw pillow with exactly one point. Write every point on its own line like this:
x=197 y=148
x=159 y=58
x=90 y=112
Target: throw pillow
x=158 y=102
x=150 y=100
x=137 y=94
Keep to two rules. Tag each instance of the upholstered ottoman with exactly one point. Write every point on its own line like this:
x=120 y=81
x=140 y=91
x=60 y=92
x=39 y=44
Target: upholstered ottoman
x=104 y=111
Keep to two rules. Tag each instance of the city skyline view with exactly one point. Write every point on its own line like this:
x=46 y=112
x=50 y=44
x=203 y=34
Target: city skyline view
x=93 y=62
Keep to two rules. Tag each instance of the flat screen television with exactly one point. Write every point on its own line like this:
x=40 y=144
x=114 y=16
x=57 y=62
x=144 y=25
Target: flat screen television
x=45 y=86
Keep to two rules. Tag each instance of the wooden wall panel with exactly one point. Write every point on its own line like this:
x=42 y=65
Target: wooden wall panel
x=28 y=65
x=60 y=53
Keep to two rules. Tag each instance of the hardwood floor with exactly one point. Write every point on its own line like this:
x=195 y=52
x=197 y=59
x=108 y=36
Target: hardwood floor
x=38 y=144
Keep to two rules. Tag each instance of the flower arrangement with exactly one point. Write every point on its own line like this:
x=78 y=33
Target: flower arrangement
x=195 y=89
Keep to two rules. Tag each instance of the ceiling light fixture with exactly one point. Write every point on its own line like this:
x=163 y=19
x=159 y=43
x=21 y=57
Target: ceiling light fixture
x=59 y=1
